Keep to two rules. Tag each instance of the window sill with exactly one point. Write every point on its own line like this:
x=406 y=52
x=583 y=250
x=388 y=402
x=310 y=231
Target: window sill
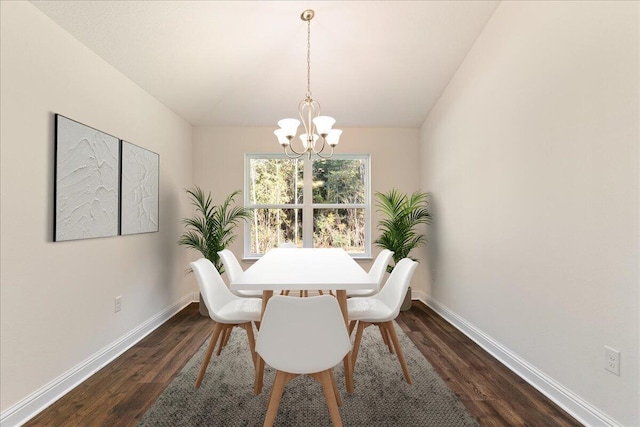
x=357 y=258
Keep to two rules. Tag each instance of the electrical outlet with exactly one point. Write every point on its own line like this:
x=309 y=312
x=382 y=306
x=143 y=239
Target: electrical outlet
x=118 y=305
x=612 y=360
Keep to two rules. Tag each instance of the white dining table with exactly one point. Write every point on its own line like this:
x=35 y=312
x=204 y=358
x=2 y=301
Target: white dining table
x=305 y=269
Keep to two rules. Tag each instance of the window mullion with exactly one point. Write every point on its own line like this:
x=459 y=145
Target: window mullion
x=307 y=211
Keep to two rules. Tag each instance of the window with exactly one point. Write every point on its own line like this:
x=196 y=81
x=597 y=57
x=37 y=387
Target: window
x=315 y=203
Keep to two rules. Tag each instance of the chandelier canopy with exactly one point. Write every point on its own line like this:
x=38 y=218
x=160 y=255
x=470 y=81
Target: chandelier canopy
x=315 y=126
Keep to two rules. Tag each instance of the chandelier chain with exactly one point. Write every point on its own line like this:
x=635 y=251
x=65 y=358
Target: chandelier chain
x=309 y=59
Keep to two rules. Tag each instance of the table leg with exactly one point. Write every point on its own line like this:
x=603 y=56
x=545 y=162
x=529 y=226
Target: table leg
x=341 y=296
x=265 y=299
x=257 y=387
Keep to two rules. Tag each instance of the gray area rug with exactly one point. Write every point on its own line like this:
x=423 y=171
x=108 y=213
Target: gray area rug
x=381 y=396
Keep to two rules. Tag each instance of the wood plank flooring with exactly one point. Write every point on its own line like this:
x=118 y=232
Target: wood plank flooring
x=493 y=394
x=120 y=393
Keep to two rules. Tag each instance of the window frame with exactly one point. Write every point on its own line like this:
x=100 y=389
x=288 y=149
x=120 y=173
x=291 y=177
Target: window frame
x=307 y=206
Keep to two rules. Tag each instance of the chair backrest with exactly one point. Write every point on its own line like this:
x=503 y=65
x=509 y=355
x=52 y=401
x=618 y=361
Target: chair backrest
x=287 y=245
x=393 y=292
x=379 y=266
x=231 y=265
x=212 y=288
x=302 y=335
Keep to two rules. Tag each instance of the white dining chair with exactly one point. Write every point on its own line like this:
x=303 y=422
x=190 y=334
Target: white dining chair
x=376 y=272
x=233 y=269
x=286 y=343
x=381 y=309
x=225 y=308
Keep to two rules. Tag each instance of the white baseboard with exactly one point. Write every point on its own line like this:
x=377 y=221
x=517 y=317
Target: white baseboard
x=37 y=401
x=573 y=404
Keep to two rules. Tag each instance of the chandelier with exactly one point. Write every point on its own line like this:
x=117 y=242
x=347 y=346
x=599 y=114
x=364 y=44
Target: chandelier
x=315 y=126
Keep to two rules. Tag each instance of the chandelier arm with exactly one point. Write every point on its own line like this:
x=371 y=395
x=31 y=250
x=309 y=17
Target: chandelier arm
x=321 y=148
x=312 y=109
x=295 y=156
x=319 y=154
x=308 y=103
x=294 y=151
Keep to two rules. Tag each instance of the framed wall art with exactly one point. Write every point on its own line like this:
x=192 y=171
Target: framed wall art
x=87 y=163
x=139 y=207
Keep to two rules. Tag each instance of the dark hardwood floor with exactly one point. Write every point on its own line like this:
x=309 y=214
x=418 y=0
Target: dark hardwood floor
x=120 y=393
x=493 y=394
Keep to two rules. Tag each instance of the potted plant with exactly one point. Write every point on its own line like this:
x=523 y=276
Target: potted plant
x=399 y=227
x=212 y=228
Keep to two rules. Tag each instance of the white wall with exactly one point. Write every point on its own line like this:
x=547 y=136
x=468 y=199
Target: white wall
x=57 y=299
x=532 y=158
x=219 y=165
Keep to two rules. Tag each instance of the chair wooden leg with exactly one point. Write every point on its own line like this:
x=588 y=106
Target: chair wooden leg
x=391 y=350
x=396 y=344
x=274 y=398
x=335 y=388
x=329 y=394
x=224 y=338
x=252 y=342
x=221 y=340
x=352 y=325
x=356 y=344
x=389 y=343
x=385 y=338
x=320 y=292
x=383 y=334
x=212 y=345
x=347 y=362
x=257 y=385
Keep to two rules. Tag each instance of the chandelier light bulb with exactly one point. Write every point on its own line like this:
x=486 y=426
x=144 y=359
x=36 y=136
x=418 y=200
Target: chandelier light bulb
x=334 y=137
x=305 y=141
x=323 y=124
x=282 y=137
x=289 y=126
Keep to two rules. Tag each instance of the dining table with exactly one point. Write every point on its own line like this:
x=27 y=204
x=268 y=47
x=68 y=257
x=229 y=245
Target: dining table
x=305 y=269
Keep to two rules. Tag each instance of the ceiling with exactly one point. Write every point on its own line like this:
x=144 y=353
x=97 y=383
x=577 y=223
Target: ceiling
x=243 y=63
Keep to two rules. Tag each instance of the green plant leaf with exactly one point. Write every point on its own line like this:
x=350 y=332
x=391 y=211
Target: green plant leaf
x=212 y=228
x=402 y=215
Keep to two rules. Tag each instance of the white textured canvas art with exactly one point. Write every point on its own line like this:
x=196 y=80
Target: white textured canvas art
x=87 y=181
x=140 y=197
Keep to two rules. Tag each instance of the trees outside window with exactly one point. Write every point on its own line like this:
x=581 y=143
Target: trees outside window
x=313 y=203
